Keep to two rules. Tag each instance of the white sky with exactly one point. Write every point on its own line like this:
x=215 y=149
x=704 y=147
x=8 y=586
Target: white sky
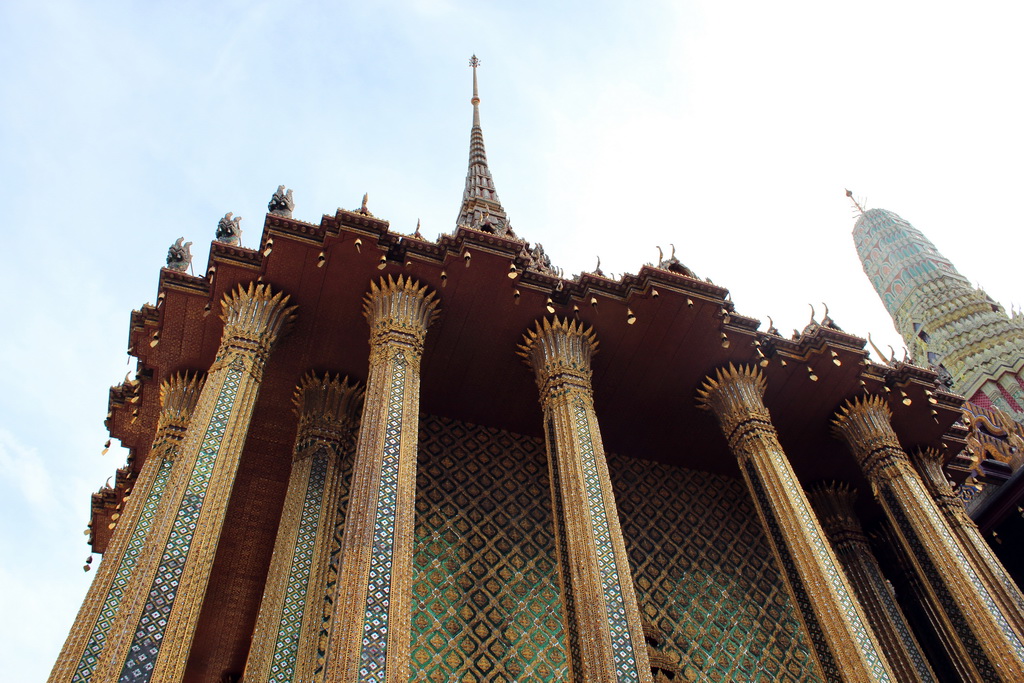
x=729 y=129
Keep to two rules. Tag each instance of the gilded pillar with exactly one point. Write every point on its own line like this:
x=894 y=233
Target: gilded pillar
x=605 y=631
x=843 y=643
x=85 y=643
x=987 y=646
x=991 y=571
x=371 y=628
x=834 y=504
x=155 y=628
x=286 y=640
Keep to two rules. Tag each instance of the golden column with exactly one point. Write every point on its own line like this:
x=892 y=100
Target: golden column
x=154 y=630
x=81 y=652
x=287 y=634
x=606 y=639
x=984 y=638
x=930 y=464
x=371 y=629
x=845 y=647
x=834 y=504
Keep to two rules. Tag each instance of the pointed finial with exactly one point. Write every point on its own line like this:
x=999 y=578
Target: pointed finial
x=417 y=233
x=474 y=62
x=856 y=204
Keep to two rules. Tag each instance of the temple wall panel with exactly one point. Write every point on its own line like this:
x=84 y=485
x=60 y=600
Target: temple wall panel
x=486 y=603
x=705 y=576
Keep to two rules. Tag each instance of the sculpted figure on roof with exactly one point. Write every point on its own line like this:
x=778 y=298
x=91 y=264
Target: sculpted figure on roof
x=179 y=256
x=541 y=261
x=282 y=203
x=673 y=264
x=228 y=229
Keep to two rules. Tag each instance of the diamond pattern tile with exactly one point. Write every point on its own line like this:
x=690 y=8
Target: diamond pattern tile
x=145 y=647
x=485 y=578
x=705 y=577
x=286 y=649
x=94 y=647
x=378 y=593
x=622 y=645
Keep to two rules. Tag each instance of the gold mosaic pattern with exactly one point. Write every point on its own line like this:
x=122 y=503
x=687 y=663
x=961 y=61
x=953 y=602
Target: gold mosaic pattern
x=151 y=627
x=372 y=657
x=982 y=630
x=486 y=601
x=123 y=575
x=286 y=647
x=705 y=577
x=622 y=644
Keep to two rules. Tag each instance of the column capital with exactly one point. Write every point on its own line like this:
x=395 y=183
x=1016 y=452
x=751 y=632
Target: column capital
x=734 y=394
x=399 y=311
x=328 y=409
x=559 y=351
x=863 y=423
x=254 y=319
x=179 y=395
x=834 y=502
x=930 y=464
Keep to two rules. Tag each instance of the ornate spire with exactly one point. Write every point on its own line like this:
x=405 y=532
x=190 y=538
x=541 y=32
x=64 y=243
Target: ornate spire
x=946 y=322
x=481 y=209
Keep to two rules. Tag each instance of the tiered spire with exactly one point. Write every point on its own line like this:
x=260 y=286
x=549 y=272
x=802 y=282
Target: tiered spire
x=481 y=209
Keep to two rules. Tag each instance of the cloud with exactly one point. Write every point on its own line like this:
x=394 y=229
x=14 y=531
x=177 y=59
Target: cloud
x=23 y=473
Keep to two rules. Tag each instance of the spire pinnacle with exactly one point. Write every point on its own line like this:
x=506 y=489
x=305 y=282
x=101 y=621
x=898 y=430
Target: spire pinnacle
x=481 y=209
x=474 y=62
x=859 y=208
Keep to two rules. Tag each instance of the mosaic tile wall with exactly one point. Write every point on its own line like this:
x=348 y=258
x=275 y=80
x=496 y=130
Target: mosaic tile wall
x=705 y=575
x=485 y=583
x=485 y=589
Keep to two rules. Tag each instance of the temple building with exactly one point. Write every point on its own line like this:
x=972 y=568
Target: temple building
x=977 y=349
x=361 y=455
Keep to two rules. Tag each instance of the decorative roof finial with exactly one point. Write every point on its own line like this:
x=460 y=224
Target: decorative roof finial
x=859 y=208
x=474 y=62
x=364 y=208
x=179 y=256
x=228 y=229
x=282 y=203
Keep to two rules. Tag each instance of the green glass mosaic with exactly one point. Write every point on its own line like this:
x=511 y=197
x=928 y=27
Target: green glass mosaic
x=486 y=601
x=705 y=575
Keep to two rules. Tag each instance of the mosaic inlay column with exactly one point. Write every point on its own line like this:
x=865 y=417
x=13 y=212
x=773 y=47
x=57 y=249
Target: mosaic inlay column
x=834 y=504
x=929 y=463
x=155 y=632
x=980 y=629
x=372 y=623
x=287 y=634
x=843 y=643
x=606 y=639
x=81 y=652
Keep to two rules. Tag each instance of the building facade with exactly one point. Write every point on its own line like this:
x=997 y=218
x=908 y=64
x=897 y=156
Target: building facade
x=360 y=455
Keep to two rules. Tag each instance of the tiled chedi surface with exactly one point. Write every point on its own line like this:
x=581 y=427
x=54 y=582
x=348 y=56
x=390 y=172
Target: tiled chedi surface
x=485 y=589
